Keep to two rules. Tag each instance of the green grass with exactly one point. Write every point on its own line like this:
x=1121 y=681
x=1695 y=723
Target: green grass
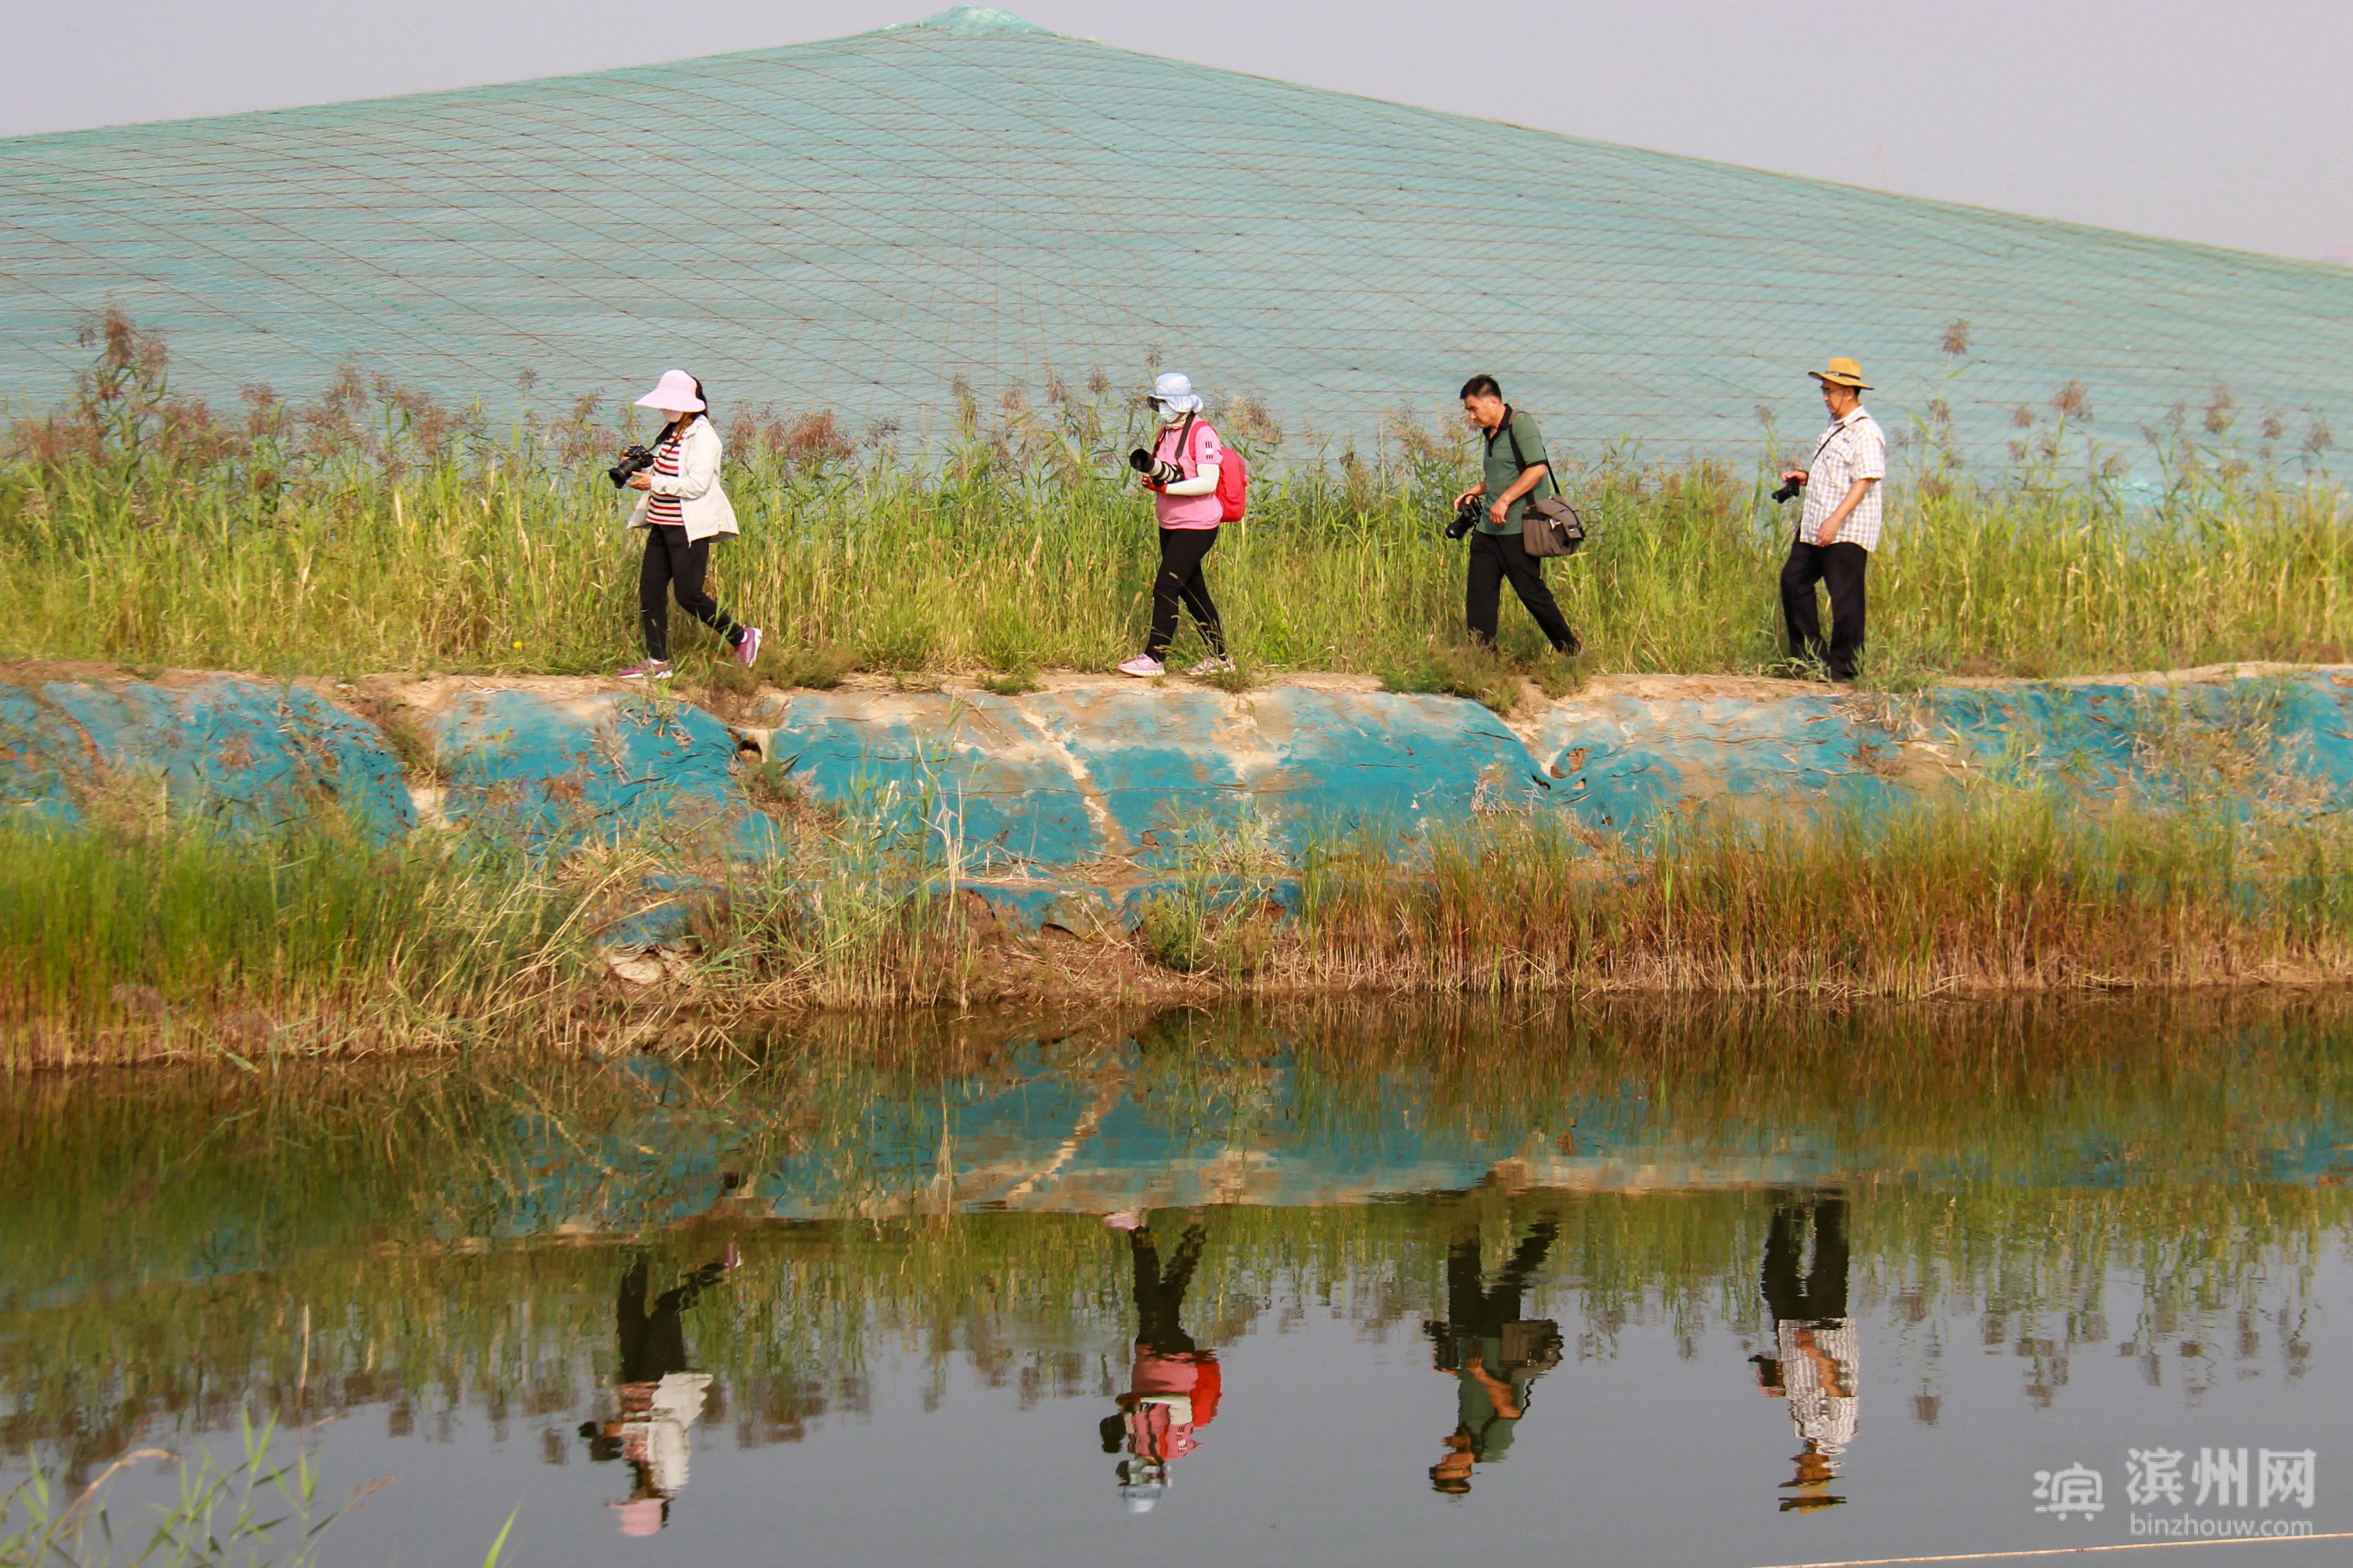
x=1994 y=888
x=375 y=531
x=180 y=939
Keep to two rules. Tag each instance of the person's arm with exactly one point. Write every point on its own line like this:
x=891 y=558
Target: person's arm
x=1829 y=532
x=1530 y=477
x=1531 y=441
x=1203 y=482
x=698 y=465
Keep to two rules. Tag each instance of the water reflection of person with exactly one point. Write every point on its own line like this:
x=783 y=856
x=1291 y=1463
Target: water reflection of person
x=658 y=1399
x=1814 y=1364
x=1173 y=1384
x=1495 y=1354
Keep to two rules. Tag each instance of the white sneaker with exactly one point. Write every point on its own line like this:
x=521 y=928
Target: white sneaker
x=1222 y=664
x=1143 y=666
x=649 y=669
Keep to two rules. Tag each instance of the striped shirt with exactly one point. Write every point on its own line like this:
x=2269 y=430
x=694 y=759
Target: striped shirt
x=1851 y=448
x=662 y=511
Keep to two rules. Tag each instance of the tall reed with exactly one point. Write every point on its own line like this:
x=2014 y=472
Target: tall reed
x=1998 y=889
x=129 y=939
x=375 y=529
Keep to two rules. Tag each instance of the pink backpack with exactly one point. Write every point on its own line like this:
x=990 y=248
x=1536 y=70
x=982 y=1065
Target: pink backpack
x=1233 y=478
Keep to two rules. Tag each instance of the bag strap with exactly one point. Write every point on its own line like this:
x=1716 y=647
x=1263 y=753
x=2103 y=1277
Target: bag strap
x=1184 y=441
x=1519 y=462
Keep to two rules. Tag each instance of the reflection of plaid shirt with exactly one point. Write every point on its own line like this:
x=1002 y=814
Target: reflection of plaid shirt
x=1826 y=1419
x=1853 y=448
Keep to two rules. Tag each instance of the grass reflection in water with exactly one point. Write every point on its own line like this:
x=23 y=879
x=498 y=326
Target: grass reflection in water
x=2157 y=1178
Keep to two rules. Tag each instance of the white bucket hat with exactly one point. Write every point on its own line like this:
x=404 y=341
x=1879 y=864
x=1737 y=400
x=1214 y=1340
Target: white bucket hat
x=673 y=393
x=1175 y=389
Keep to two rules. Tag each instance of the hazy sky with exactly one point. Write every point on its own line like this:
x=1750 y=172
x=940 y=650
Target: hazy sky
x=2230 y=123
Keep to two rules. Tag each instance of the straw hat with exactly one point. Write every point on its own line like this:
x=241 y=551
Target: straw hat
x=674 y=394
x=1841 y=372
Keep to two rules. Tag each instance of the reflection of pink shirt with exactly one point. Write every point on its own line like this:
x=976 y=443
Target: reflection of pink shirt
x=1189 y=511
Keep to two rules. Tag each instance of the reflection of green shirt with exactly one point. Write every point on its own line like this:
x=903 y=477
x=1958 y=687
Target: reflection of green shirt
x=1489 y=1429
x=1502 y=473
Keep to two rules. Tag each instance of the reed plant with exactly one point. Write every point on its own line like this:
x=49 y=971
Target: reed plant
x=261 y=1510
x=375 y=529
x=135 y=935
x=1996 y=889
x=183 y=943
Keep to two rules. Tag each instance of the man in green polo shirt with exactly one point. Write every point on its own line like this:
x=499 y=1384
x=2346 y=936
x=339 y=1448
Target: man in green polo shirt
x=1515 y=466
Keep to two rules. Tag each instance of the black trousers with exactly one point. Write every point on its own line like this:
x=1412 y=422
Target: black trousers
x=1841 y=567
x=1160 y=1291
x=1493 y=557
x=674 y=564
x=1819 y=1294
x=1182 y=550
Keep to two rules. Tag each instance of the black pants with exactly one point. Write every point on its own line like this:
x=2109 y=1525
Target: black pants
x=1182 y=550
x=1819 y=1294
x=1841 y=567
x=1160 y=1292
x=673 y=563
x=1493 y=557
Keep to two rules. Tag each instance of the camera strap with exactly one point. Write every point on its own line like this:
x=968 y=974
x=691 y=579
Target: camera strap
x=1184 y=442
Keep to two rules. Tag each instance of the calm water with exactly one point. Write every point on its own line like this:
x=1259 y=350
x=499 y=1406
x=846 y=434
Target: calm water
x=1636 y=1286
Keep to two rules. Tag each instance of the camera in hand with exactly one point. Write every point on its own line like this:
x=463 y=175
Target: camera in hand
x=1466 y=517
x=635 y=460
x=1789 y=490
x=1154 y=471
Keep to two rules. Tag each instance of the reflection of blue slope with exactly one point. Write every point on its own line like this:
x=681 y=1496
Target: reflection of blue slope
x=1031 y=1138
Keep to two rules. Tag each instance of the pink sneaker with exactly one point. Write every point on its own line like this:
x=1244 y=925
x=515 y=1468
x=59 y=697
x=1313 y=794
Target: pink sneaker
x=1143 y=666
x=647 y=669
x=747 y=652
x=1125 y=1219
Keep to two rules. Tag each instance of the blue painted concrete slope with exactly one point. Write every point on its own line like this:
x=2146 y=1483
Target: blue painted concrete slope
x=1645 y=746
x=249 y=755
x=1071 y=778
x=1066 y=778
x=556 y=769
x=1074 y=806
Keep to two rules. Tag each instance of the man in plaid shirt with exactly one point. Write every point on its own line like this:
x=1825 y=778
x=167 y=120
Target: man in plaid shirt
x=1840 y=527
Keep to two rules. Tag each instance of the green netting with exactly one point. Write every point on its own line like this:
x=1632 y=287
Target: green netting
x=857 y=224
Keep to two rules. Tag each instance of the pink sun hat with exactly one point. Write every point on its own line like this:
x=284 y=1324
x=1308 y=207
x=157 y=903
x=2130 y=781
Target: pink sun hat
x=673 y=393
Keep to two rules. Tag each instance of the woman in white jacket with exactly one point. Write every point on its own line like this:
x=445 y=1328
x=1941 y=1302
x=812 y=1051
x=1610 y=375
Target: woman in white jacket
x=682 y=510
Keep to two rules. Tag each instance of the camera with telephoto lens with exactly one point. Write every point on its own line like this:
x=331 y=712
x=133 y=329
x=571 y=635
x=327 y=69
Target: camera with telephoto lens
x=1154 y=471
x=635 y=460
x=1789 y=490
x=1466 y=517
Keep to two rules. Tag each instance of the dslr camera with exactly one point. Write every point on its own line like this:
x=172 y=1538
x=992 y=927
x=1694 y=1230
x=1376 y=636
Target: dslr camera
x=635 y=460
x=1466 y=517
x=1789 y=490
x=1158 y=474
